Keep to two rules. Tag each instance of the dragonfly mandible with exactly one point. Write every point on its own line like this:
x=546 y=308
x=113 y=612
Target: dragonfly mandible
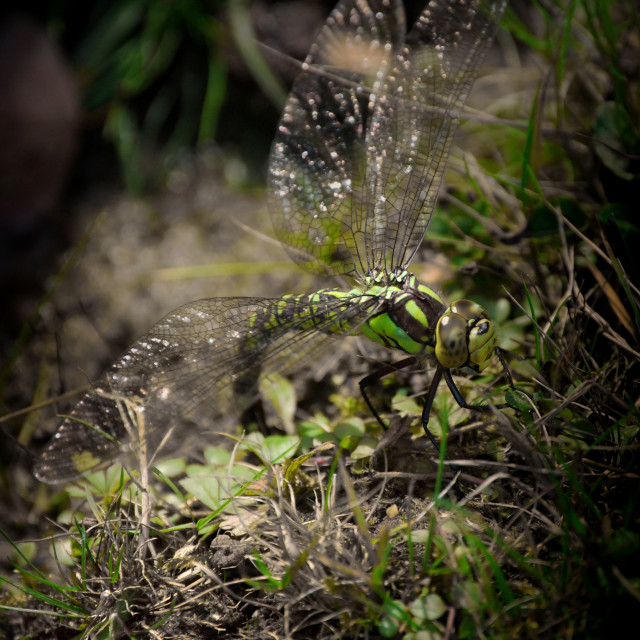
x=354 y=173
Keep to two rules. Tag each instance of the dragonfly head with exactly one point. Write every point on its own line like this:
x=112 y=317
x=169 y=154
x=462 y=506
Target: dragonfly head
x=465 y=337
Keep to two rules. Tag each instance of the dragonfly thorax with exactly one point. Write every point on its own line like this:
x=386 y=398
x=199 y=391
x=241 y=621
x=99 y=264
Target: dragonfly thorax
x=465 y=336
x=406 y=314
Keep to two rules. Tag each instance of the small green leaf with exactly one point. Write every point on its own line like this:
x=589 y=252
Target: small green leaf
x=293 y=467
x=217 y=456
x=468 y=595
x=388 y=627
x=281 y=394
x=171 y=467
x=404 y=405
x=365 y=448
x=353 y=427
x=428 y=607
x=542 y=223
x=212 y=491
x=277 y=449
x=519 y=400
x=311 y=429
x=419 y=536
x=616 y=139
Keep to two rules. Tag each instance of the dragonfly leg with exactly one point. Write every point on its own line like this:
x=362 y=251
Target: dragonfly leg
x=505 y=367
x=511 y=384
x=426 y=409
x=431 y=394
x=455 y=392
x=428 y=403
x=378 y=374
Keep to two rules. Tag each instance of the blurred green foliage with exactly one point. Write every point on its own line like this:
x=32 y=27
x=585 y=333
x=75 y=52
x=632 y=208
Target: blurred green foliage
x=154 y=76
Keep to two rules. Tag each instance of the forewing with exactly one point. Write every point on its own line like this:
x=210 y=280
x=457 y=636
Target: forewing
x=193 y=371
x=316 y=169
x=413 y=124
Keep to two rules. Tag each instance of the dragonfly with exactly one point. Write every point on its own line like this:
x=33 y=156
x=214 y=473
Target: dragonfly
x=354 y=173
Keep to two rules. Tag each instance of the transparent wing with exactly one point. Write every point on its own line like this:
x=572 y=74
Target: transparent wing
x=317 y=164
x=414 y=121
x=360 y=150
x=193 y=371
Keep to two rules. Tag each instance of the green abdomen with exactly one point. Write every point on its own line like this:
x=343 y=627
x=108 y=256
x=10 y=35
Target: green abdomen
x=398 y=317
x=327 y=310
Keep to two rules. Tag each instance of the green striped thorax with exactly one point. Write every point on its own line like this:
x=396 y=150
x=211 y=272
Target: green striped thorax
x=413 y=318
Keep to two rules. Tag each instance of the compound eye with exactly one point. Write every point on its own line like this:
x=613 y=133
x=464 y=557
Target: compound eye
x=451 y=341
x=482 y=345
x=469 y=310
